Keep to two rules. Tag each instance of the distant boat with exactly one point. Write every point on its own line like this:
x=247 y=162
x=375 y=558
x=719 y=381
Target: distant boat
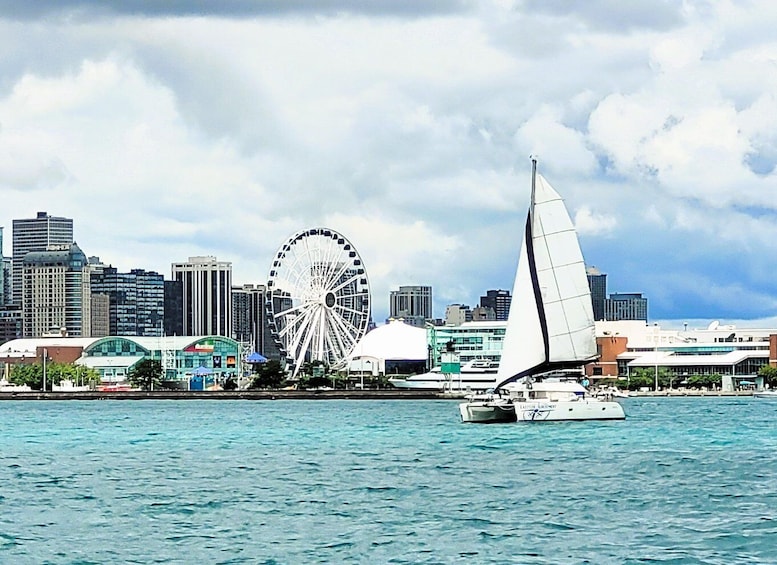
x=5 y=386
x=610 y=392
x=115 y=387
x=67 y=385
x=550 y=327
x=770 y=394
x=476 y=375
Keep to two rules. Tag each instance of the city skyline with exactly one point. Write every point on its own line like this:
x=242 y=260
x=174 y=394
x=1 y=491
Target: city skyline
x=430 y=312
x=407 y=127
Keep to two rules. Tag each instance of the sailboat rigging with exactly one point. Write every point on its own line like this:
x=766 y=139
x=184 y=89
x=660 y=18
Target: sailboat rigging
x=550 y=326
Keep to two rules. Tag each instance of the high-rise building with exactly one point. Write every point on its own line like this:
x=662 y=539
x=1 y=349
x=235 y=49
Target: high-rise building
x=250 y=322
x=206 y=295
x=52 y=291
x=2 y=270
x=625 y=306
x=248 y=315
x=135 y=300
x=174 y=308
x=35 y=234
x=95 y=306
x=597 y=283
x=499 y=301
x=10 y=324
x=5 y=269
x=10 y=316
x=457 y=314
x=483 y=314
x=411 y=303
x=99 y=315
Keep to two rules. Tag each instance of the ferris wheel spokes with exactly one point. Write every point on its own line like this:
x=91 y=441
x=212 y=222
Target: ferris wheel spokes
x=318 y=301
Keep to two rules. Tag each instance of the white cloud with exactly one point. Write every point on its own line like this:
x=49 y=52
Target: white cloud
x=168 y=137
x=587 y=222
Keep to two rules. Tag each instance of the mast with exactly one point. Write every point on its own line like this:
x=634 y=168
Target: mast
x=533 y=267
x=533 y=185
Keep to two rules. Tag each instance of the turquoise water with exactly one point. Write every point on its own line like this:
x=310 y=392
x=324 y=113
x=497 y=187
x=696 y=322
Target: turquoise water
x=680 y=481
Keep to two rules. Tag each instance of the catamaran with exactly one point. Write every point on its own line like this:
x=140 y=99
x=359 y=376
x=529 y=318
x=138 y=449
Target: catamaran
x=550 y=327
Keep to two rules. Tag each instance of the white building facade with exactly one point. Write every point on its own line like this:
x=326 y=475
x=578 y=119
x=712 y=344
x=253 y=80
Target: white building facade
x=207 y=295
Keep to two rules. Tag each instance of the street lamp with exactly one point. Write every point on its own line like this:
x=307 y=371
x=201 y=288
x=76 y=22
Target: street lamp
x=655 y=351
x=369 y=366
x=45 y=354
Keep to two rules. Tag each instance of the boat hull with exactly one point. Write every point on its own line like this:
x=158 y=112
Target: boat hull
x=567 y=410
x=487 y=412
x=766 y=394
x=500 y=411
x=416 y=385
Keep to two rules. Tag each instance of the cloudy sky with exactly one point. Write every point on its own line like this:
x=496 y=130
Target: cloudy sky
x=173 y=129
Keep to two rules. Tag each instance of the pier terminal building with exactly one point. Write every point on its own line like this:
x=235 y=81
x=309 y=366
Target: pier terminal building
x=189 y=363
x=736 y=354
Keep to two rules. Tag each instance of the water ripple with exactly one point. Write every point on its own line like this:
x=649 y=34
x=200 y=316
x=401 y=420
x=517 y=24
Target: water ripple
x=680 y=481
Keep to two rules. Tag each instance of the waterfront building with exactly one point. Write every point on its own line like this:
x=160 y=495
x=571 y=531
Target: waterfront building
x=471 y=340
x=190 y=362
x=499 y=301
x=412 y=303
x=52 y=291
x=395 y=348
x=206 y=295
x=35 y=234
x=733 y=353
x=135 y=300
x=597 y=282
x=625 y=306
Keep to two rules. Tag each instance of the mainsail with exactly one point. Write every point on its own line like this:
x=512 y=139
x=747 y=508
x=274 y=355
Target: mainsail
x=551 y=322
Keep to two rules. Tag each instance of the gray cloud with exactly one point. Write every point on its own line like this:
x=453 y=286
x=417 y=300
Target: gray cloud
x=87 y=9
x=613 y=15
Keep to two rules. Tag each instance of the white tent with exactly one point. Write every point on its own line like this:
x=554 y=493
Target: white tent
x=395 y=341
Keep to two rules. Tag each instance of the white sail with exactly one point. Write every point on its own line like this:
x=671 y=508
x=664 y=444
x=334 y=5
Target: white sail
x=551 y=322
x=523 y=347
x=563 y=282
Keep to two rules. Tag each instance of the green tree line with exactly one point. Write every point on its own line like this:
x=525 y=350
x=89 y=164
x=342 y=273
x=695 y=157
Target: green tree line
x=32 y=375
x=645 y=377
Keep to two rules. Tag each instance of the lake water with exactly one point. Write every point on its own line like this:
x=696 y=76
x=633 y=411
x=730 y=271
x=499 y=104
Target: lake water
x=681 y=480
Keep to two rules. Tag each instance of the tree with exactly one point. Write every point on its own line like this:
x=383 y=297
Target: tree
x=269 y=375
x=230 y=383
x=769 y=375
x=146 y=374
x=313 y=374
x=32 y=375
x=705 y=381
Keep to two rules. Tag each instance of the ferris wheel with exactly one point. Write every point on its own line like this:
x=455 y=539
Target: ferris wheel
x=318 y=298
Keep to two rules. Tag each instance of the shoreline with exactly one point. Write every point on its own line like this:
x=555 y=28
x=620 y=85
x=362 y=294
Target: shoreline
x=224 y=395
x=395 y=394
